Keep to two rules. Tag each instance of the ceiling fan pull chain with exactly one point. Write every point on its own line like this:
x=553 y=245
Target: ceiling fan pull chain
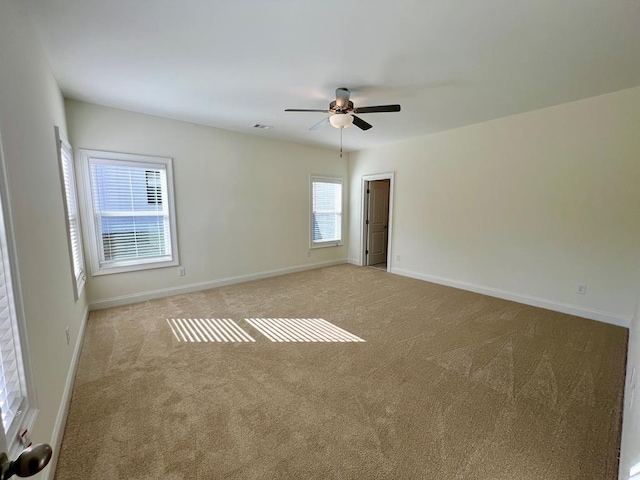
x=341 y=129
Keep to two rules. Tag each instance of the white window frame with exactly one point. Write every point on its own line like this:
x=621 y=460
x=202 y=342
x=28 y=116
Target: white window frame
x=86 y=157
x=330 y=243
x=24 y=418
x=72 y=213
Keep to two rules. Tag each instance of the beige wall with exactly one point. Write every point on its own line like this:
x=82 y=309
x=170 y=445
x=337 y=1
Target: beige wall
x=30 y=106
x=242 y=201
x=523 y=207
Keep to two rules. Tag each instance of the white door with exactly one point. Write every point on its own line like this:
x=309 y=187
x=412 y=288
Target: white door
x=3 y=439
x=378 y=219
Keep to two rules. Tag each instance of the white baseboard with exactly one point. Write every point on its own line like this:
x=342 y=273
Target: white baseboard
x=606 y=317
x=63 y=411
x=354 y=261
x=196 y=287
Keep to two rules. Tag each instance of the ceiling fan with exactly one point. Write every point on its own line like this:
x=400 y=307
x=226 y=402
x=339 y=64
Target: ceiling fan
x=343 y=111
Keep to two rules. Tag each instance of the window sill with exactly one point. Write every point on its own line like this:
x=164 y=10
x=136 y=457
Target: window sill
x=325 y=245
x=123 y=268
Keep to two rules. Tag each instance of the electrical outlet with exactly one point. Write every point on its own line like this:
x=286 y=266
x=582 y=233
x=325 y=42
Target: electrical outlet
x=66 y=331
x=182 y=272
x=581 y=289
x=397 y=258
x=308 y=253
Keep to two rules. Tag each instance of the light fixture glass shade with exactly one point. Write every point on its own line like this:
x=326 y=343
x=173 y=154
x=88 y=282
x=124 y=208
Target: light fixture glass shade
x=341 y=120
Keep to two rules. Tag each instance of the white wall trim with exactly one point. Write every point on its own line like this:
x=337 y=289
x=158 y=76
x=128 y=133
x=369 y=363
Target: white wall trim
x=601 y=316
x=85 y=159
x=363 y=214
x=195 y=287
x=354 y=261
x=63 y=411
x=326 y=179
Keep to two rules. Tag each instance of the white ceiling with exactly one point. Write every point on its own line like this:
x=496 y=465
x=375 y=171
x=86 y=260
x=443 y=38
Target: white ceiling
x=231 y=64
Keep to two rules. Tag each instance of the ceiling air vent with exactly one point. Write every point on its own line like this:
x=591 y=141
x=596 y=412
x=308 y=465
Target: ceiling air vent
x=262 y=127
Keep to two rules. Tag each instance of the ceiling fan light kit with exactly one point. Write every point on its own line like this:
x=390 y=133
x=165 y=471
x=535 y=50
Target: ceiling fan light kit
x=341 y=120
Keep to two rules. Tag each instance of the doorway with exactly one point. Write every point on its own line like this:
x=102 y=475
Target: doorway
x=377 y=195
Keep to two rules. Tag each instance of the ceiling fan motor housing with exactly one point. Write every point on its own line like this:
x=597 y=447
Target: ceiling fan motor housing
x=335 y=108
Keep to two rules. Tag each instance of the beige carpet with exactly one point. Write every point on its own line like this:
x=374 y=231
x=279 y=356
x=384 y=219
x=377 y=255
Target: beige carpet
x=447 y=385
x=381 y=266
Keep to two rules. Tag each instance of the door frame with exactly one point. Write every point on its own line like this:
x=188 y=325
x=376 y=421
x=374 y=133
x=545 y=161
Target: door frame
x=363 y=215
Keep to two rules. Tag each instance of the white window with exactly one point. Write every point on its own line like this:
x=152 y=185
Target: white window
x=14 y=402
x=67 y=171
x=326 y=211
x=12 y=388
x=131 y=211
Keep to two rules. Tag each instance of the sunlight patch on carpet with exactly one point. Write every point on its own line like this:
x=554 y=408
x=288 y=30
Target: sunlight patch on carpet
x=301 y=330
x=207 y=330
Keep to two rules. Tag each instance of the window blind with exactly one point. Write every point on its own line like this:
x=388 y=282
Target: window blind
x=131 y=212
x=326 y=211
x=73 y=219
x=11 y=383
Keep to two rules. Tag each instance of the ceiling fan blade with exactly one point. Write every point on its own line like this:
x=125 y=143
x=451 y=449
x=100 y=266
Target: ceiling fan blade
x=304 y=110
x=320 y=124
x=358 y=122
x=342 y=97
x=379 y=108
